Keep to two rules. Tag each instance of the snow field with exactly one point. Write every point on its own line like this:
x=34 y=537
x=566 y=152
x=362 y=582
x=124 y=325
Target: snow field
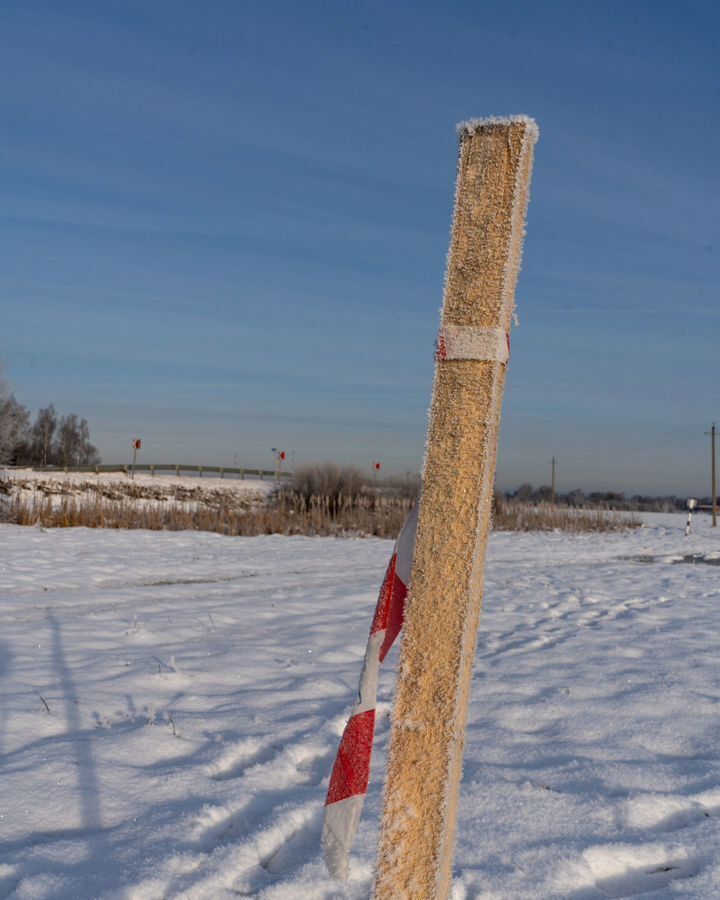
x=198 y=686
x=157 y=491
x=162 y=479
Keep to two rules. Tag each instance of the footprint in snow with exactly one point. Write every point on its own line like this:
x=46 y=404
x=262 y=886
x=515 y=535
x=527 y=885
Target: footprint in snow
x=296 y=768
x=628 y=871
x=294 y=844
x=236 y=759
x=660 y=813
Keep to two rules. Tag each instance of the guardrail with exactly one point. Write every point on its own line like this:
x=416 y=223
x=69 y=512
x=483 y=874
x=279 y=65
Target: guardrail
x=177 y=468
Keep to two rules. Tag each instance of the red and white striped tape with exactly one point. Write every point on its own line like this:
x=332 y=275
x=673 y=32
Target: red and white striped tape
x=351 y=771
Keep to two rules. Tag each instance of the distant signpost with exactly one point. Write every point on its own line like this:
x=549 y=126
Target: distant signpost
x=137 y=444
x=280 y=456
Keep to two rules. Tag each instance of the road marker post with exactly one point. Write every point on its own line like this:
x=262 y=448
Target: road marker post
x=136 y=445
x=417 y=833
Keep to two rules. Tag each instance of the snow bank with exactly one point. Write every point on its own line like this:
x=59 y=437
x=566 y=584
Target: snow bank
x=147 y=491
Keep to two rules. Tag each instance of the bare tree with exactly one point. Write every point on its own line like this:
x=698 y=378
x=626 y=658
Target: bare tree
x=524 y=492
x=14 y=424
x=43 y=431
x=47 y=442
x=88 y=455
x=72 y=445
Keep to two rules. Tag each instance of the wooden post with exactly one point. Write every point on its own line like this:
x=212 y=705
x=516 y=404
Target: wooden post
x=417 y=834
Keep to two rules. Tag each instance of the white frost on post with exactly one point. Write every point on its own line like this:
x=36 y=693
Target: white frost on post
x=468 y=126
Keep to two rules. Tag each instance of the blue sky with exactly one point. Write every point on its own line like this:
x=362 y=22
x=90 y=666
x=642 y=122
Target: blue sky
x=223 y=227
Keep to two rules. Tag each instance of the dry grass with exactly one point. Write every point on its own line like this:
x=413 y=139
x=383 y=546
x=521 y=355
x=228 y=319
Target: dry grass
x=327 y=480
x=546 y=517
x=288 y=512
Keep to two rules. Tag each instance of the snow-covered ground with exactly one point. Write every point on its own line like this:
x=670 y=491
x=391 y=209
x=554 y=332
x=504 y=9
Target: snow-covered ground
x=196 y=687
x=163 y=479
x=163 y=491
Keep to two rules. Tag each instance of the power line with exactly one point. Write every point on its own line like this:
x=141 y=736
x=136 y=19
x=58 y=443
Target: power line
x=644 y=444
x=713 y=475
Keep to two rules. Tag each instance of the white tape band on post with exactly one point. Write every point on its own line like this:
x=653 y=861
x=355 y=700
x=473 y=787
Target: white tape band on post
x=473 y=342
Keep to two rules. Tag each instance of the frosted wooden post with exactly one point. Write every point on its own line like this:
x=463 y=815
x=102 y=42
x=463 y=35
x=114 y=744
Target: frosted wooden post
x=442 y=613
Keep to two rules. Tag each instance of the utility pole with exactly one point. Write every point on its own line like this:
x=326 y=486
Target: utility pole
x=553 y=462
x=713 y=477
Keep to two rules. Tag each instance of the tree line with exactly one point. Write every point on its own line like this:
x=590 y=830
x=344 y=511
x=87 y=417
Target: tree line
x=48 y=440
x=525 y=493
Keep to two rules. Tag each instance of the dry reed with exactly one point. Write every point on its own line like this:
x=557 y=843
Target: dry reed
x=368 y=514
x=547 y=517
x=287 y=514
